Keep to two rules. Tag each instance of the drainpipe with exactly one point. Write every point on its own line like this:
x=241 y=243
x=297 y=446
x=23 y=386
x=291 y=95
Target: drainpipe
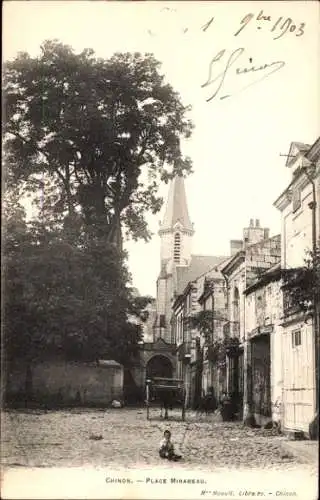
x=247 y=406
x=212 y=340
x=226 y=381
x=313 y=207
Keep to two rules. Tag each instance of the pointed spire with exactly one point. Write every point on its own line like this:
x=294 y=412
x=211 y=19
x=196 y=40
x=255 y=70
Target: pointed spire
x=176 y=209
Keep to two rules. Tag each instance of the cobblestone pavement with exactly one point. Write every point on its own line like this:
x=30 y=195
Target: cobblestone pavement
x=64 y=439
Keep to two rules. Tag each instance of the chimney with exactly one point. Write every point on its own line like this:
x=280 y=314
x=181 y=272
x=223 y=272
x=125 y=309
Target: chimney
x=251 y=222
x=257 y=223
x=266 y=234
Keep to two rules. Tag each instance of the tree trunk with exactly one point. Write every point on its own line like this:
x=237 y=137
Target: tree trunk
x=115 y=234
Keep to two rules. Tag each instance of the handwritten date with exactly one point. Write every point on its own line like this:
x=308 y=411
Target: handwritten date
x=281 y=24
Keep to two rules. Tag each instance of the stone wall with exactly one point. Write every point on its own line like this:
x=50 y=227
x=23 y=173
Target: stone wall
x=262 y=256
x=68 y=383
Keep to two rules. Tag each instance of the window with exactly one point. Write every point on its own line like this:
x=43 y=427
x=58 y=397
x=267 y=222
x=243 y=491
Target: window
x=296 y=198
x=177 y=247
x=296 y=338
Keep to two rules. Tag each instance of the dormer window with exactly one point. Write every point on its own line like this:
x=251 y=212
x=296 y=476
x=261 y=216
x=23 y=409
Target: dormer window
x=177 y=248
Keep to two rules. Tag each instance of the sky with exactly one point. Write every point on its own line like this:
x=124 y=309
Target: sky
x=236 y=147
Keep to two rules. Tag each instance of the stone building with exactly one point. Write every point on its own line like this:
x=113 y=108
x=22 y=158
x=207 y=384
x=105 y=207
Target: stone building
x=263 y=332
x=187 y=341
x=259 y=252
x=299 y=205
x=190 y=340
x=213 y=300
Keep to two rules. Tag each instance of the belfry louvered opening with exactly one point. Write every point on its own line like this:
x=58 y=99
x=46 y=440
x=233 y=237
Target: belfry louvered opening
x=177 y=247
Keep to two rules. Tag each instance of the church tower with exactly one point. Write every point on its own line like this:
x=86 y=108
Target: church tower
x=176 y=231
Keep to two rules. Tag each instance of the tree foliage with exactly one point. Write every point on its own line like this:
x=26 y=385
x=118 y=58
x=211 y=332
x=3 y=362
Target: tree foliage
x=204 y=322
x=302 y=285
x=100 y=134
x=89 y=140
x=66 y=300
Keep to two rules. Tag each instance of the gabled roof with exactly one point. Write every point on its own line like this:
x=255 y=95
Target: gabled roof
x=176 y=209
x=208 y=286
x=295 y=149
x=233 y=262
x=200 y=264
x=311 y=154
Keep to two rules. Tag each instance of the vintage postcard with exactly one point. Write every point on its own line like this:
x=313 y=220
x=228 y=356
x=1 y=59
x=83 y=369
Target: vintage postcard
x=161 y=250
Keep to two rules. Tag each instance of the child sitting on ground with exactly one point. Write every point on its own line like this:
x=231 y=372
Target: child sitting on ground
x=166 y=449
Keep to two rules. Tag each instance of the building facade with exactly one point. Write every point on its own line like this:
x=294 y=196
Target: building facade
x=186 y=338
x=259 y=252
x=263 y=317
x=207 y=293
x=213 y=301
x=299 y=205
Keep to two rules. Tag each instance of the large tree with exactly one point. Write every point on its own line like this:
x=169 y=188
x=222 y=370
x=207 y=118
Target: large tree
x=63 y=300
x=90 y=139
x=99 y=134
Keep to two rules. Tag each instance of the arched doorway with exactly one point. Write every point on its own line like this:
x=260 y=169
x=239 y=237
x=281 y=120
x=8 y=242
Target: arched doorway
x=159 y=366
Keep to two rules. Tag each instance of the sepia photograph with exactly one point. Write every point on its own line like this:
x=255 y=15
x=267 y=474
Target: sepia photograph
x=160 y=250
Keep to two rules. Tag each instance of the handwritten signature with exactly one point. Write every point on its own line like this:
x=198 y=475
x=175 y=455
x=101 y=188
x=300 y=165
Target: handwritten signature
x=264 y=70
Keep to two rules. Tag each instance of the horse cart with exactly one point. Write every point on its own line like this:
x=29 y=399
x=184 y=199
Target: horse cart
x=168 y=392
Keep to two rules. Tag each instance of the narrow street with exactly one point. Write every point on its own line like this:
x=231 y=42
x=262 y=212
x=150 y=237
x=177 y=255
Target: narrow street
x=66 y=439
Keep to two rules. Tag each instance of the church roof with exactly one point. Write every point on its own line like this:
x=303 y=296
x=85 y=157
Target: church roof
x=199 y=265
x=176 y=209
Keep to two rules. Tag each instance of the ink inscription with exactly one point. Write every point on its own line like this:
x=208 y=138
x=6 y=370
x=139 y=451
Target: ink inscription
x=264 y=71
